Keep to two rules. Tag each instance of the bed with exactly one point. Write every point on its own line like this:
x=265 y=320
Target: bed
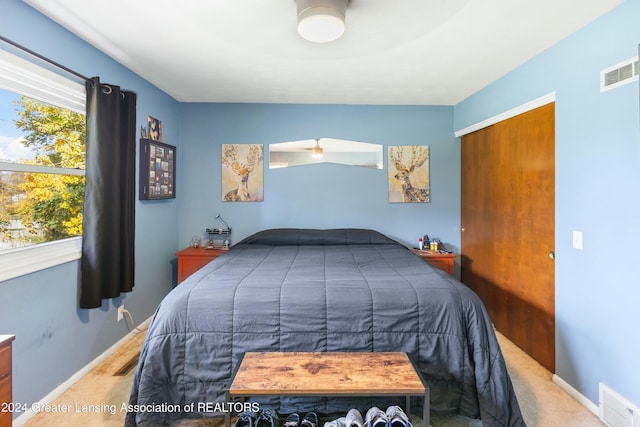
x=319 y=290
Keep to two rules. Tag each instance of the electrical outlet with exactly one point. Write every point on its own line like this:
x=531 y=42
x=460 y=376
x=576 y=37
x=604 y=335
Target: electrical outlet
x=120 y=312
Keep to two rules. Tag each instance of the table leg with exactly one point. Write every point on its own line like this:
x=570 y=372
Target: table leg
x=227 y=412
x=425 y=409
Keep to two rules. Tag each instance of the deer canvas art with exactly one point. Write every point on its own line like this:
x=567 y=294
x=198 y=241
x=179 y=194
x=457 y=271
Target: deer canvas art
x=409 y=174
x=242 y=173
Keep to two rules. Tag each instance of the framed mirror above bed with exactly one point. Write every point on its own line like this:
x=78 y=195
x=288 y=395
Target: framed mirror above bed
x=325 y=150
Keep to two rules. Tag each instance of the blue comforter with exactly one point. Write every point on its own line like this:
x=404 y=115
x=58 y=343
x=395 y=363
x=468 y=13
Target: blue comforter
x=319 y=290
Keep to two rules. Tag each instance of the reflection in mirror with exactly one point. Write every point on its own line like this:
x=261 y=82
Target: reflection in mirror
x=325 y=150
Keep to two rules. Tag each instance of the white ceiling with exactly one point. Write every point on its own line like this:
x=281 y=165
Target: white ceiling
x=412 y=52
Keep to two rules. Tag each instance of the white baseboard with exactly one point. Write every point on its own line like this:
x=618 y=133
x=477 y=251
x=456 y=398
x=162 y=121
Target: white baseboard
x=55 y=393
x=567 y=388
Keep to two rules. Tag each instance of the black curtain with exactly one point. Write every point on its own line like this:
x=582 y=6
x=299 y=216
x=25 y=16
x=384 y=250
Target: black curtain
x=108 y=226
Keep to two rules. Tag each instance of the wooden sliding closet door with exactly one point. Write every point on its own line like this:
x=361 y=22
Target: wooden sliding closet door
x=507 y=234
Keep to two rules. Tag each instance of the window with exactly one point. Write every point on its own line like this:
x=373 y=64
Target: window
x=42 y=162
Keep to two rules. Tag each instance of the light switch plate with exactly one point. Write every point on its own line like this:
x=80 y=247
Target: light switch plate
x=577 y=240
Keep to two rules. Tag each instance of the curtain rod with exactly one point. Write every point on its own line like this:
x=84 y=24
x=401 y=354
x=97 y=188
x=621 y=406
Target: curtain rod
x=43 y=58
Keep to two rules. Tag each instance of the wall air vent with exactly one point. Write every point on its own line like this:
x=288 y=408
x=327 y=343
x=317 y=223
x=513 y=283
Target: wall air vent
x=615 y=410
x=618 y=75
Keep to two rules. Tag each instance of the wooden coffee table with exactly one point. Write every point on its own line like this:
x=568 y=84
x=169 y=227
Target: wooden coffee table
x=328 y=374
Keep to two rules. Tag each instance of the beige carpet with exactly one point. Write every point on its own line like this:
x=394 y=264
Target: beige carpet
x=97 y=399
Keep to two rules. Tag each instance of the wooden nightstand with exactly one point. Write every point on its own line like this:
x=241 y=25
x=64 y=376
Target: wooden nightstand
x=5 y=379
x=442 y=261
x=192 y=259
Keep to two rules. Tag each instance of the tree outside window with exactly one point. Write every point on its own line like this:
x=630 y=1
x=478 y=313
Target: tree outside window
x=41 y=194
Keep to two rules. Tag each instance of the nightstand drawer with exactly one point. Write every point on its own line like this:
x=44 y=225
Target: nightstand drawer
x=5 y=362
x=191 y=265
x=5 y=390
x=5 y=379
x=191 y=260
x=442 y=261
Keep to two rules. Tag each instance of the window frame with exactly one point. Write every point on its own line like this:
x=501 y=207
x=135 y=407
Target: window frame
x=24 y=77
x=29 y=259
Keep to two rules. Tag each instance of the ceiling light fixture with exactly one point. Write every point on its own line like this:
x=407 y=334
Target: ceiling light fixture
x=321 y=21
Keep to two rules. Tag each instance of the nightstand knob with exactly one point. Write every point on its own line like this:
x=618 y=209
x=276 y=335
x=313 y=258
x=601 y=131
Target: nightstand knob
x=552 y=255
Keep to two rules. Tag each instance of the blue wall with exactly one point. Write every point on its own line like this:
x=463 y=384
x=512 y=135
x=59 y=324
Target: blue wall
x=597 y=192
x=597 y=153
x=322 y=195
x=55 y=339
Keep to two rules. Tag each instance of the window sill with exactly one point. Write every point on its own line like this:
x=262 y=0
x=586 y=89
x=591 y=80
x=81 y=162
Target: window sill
x=21 y=261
